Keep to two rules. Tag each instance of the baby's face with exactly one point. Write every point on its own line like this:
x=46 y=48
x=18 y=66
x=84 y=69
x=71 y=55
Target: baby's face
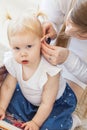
x=73 y=30
x=26 y=48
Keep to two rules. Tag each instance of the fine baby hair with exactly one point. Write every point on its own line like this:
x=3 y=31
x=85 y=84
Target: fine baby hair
x=28 y=22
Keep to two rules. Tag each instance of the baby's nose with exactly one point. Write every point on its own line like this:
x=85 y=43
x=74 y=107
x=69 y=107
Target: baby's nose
x=23 y=54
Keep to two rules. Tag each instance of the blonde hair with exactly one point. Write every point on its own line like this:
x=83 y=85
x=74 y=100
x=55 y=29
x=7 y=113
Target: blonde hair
x=28 y=22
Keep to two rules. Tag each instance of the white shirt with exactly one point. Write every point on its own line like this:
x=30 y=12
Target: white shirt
x=32 y=88
x=56 y=11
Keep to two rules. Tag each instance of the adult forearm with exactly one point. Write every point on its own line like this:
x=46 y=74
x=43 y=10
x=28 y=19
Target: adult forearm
x=77 y=67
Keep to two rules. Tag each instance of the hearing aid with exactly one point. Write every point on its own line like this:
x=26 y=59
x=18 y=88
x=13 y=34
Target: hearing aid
x=48 y=40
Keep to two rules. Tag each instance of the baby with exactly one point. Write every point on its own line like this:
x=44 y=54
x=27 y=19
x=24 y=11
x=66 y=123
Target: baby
x=47 y=101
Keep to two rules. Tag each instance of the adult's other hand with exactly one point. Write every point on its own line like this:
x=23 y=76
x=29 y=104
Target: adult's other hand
x=54 y=54
x=48 y=31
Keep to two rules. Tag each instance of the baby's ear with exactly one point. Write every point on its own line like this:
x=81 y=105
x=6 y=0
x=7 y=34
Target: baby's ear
x=43 y=39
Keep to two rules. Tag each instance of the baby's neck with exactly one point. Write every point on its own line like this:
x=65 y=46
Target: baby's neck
x=28 y=72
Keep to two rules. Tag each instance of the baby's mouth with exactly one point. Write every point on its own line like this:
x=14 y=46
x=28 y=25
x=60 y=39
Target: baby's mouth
x=25 y=62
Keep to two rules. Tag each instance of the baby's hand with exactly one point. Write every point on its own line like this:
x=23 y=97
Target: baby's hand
x=2 y=113
x=31 y=125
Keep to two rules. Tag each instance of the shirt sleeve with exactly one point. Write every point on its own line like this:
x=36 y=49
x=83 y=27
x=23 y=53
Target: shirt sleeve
x=47 y=69
x=9 y=63
x=77 y=67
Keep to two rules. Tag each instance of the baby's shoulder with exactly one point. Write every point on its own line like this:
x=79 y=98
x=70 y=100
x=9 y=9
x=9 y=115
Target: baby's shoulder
x=49 y=68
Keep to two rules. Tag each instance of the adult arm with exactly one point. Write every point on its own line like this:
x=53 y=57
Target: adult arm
x=56 y=12
x=76 y=66
x=59 y=55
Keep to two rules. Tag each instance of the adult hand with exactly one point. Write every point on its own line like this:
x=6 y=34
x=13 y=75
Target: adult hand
x=48 y=31
x=3 y=73
x=54 y=54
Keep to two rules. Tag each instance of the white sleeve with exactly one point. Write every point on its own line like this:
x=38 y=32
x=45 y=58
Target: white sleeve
x=55 y=10
x=9 y=63
x=77 y=67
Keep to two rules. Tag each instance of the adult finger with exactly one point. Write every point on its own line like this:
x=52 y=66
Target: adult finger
x=49 y=49
x=48 y=57
x=45 y=55
x=49 y=30
x=46 y=27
